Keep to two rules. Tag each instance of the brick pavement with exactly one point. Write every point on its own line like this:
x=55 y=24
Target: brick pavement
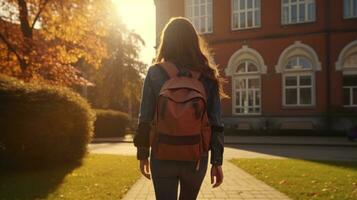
x=237 y=185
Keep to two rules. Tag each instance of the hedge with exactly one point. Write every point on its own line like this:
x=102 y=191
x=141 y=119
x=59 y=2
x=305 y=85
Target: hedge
x=110 y=123
x=42 y=125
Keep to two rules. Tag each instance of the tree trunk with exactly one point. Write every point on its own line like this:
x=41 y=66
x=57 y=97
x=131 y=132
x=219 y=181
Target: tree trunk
x=27 y=34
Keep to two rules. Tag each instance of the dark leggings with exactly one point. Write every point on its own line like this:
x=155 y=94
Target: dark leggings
x=167 y=175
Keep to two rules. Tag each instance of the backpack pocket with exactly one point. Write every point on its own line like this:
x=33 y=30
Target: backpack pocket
x=169 y=147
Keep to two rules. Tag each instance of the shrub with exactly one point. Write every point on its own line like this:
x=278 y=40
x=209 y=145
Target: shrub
x=41 y=124
x=111 y=123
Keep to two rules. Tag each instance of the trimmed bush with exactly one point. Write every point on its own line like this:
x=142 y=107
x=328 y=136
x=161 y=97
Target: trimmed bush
x=111 y=123
x=42 y=125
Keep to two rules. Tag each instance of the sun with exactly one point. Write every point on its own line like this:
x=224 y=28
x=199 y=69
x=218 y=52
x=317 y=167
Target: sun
x=139 y=15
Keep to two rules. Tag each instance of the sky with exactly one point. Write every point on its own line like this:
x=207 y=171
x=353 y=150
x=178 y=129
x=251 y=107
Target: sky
x=139 y=15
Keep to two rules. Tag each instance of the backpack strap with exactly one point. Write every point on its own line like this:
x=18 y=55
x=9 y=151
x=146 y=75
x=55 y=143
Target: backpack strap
x=172 y=70
x=195 y=75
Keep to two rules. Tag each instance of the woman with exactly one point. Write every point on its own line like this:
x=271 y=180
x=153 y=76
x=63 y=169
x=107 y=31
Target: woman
x=181 y=46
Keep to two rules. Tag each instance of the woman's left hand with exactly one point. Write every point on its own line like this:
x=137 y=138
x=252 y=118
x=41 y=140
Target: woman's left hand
x=216 y=175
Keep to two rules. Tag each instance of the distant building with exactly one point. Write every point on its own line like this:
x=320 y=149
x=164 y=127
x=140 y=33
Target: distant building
x=287 y=62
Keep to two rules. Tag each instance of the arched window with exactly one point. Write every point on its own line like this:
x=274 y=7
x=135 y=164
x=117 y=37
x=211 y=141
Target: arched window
x=298 y=64
x=247 y=95
x=245 y=67
x=298 y=82
x=347 y=63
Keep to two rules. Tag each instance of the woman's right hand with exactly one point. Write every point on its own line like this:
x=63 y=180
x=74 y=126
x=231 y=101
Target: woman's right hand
x=145 y=168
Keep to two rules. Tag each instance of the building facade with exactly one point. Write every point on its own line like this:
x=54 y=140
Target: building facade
x=288 y=63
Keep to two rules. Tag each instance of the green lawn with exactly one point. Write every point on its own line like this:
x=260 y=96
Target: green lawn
x=99 y=177
x=301 y=179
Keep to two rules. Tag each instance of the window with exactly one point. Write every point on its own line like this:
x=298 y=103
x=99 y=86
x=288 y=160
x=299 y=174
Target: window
x=298 y=11
x=245 y=14
x=298 y=82
x=349 y=8
x=298 y=64
x=350 y=81
x=245 y=67
x=246 y=91
x=350 y=90
x=347 y=63
x=199 y=12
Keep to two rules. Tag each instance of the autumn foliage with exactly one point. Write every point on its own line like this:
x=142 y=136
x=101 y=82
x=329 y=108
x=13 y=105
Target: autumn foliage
x=43 y=40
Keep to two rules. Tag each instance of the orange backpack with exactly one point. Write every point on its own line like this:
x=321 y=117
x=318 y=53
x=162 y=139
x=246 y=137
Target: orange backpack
x=181 y=128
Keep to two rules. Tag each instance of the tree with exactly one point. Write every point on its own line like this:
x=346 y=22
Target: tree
x=117 y=84
x=71 y=42
x=42 y=40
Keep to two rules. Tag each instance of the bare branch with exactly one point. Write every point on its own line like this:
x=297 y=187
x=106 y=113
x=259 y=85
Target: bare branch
x=21 y=61
x=41 y=8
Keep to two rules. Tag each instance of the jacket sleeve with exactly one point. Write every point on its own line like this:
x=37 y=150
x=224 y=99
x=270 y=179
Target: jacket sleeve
x=146 y=115
x=214 y=115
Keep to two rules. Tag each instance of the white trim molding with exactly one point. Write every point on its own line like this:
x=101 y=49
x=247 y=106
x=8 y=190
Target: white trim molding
x=298 y=49
x=349 y=49
x=245 y=53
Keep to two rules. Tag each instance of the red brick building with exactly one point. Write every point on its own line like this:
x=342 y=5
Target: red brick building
x=287 y=62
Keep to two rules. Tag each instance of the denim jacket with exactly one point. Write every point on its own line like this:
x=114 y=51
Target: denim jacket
x=154 y=79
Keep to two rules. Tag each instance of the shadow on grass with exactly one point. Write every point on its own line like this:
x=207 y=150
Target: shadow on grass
x=322 y=153
x=32 y=183
x=350 y=165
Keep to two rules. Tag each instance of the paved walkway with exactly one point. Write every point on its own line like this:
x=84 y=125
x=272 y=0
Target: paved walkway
x=237 y=185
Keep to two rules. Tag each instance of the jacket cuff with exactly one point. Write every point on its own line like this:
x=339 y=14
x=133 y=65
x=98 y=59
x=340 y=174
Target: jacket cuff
x=216 y=163
x=216 y=157
x=142 y=153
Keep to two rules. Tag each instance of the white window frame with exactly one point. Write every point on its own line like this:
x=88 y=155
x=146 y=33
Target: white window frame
x=351 y=96
x=246 y=76
x=289 y=4
x=351 y=5
x=298 y=87
x=208 y=6
x=298 y=73
x=246 y=10
x=351 y=90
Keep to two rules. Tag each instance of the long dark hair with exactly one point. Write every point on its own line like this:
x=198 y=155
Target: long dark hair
x=181 y=44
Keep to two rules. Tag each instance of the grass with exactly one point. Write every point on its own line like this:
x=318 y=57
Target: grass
x=99 y=177
x=302 y=179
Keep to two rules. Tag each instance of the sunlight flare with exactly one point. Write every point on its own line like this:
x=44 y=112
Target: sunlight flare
x=139 y=15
